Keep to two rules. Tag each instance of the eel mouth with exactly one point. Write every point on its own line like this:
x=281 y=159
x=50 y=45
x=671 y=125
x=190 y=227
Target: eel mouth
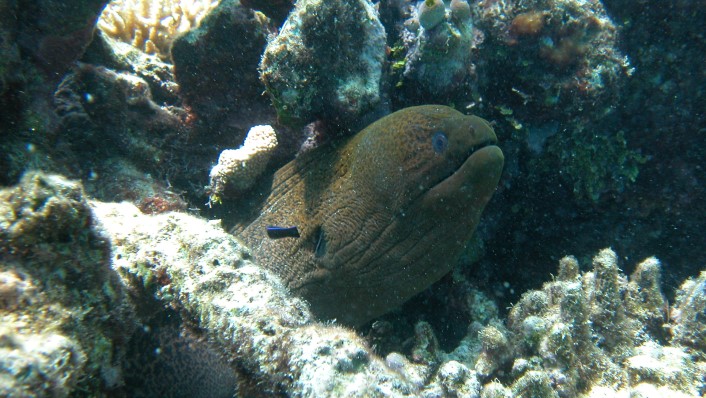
x=475 y=179
x=489 y=141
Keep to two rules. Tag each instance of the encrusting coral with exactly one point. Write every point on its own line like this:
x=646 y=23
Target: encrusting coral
x=238 y=169
x=152 y=25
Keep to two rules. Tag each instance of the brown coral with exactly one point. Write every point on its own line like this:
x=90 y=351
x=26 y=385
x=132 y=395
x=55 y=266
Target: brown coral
x=152 y=25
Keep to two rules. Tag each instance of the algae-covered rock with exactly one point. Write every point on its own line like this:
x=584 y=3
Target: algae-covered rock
x=326 y=62
x=216 y=65
x=63 y=312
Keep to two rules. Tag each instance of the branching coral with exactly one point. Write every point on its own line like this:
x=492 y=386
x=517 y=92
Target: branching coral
x=152 y=25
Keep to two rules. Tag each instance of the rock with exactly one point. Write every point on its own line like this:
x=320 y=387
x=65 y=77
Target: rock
x=63 y=311
x=216 y=67
x=326 y=63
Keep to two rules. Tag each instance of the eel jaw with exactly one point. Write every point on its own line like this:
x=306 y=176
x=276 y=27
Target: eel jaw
x=471 y=185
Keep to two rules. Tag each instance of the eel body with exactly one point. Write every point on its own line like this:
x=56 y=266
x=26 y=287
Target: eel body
x=381 y=216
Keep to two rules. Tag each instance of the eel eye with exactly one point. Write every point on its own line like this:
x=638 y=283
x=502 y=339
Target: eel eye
x=439 y=142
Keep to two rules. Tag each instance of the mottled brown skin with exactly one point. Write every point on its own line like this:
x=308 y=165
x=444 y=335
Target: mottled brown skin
x=381 y=216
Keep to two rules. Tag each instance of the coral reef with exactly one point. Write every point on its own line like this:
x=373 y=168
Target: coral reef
x=326 y=63
x=39 y=41
x=152 y=25
x=200 y=299
x=38 y=364
x=584 y=136
x=595 y=163
x=238 y=169
x=63 y=312
x=546 y=65
x=116 y=134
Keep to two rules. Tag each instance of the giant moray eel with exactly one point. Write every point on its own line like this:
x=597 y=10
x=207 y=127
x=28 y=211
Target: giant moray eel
x=381 y=216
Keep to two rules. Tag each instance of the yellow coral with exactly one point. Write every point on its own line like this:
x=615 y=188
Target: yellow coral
x=152 y=25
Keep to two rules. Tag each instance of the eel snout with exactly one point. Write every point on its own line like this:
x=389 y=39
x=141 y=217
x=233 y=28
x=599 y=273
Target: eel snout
x=474 y=182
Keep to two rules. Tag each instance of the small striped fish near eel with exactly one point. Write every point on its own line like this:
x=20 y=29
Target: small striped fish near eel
x=360 y=227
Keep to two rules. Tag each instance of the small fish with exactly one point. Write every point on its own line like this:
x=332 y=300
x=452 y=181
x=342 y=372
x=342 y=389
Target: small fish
x=274 y=232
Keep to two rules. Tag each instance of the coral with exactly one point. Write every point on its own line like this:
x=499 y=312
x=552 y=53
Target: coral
x=152 y=25
x=582 y=334
x=238 y=169
x=586 y=330
x=661 y=366
x=438 y=44
x=198 y=269
x=554 y=70
x=460 y=10
x=495 y=349
x=129 y=146
x=540 y=54
x=96 y=104
x=595 y=163
x=63 y=313
x=644 y=299
x=495 y=390
x=326 y=62
x=453 y=379
x=202 y=302
x=690 y=313
x=534 y=384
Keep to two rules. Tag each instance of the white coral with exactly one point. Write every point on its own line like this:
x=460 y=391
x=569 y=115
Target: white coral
x=240 y=168
x=152 y=25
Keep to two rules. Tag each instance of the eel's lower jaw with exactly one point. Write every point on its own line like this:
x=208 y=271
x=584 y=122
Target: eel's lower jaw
x=472 y=184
